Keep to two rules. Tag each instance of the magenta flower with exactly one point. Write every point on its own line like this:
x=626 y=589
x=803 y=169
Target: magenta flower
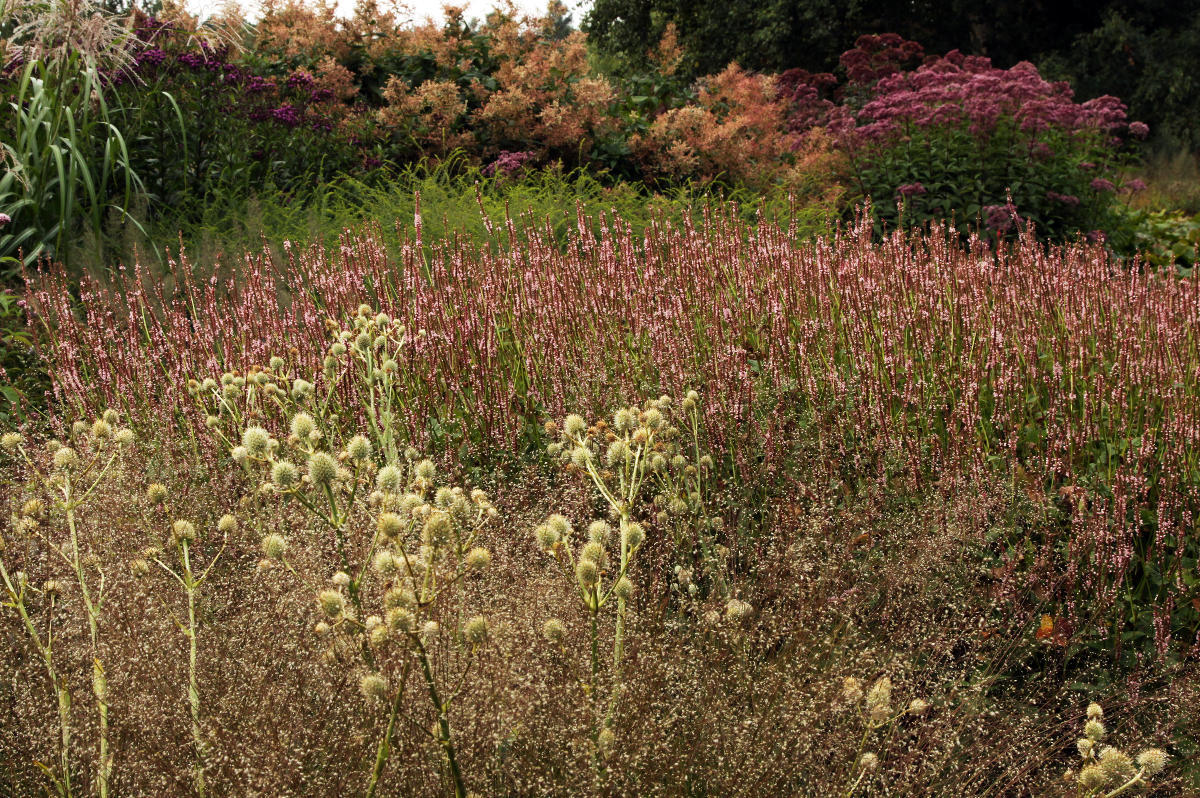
x=1103 y=184
x=4 y=219
x=1000 y=218
x=1065 y=199
x=1135 y=185
x=910 y=190
x=1139 y=129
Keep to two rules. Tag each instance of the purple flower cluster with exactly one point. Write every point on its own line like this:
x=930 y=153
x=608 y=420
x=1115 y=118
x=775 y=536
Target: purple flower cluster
x=877 y=56
x=508 y=162
x=959 y=89
x=287 y=115
x=1000 y=218
x=1066 y=199
x=1102 y=184
x=910 y=190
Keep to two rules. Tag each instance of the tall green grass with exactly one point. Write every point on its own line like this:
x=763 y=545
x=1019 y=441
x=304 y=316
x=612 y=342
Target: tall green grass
x=454 y=201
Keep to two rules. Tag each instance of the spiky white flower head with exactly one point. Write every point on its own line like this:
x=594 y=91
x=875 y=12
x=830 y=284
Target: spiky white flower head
x=399 y=597
x=437 y=529
x=410 y=502
x=599 y=532
x=341 y=579
x=65 y=459
x=101 y=428
x=322 y=469
x=917 y=706
x=34 y=508
x=869 y=761
x=373 y=687
x=140 y=568
x=737 y=610
x=183 y=531
x=429 y=629
x=389 y=525
x=553 y=630
x=618 y=452
x=11 y=440
x=401 y=619
x=852 y=689
x=332 y=603
x=1084 y=746
x=605 y=741
x=411 y=453
x=476 y=630
x=227 y=524
x=303 y=425
x=1153 y=761
x=301 y=389
x=1094 y=730
x=593 y=551
x=388 y=479
x=587 y=573
x=256 y=440
x=240 y=455
x=633 y=534
x=706 y=462
x=322 y=629
x=653 y=418
x=79 y=428
x=880 y=694
x=555 y=449
x=425 y=471
x=624 y=420
x=444 y=497
x=478 y=558
x=274 y=546
x=1095 y=711
x=623 y=589
x=385 y=562
x=1092 y=777
x=580 y=457
x=545 y=536
x=574 y=426
x=359 y=448
x=559 y=525
x=156 y=493
x=284 y=474
x=1116 y=763
x=124 y=436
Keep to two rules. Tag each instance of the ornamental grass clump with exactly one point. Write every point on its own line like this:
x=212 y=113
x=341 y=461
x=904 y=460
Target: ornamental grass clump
x=402 y=545
x=46 y=538
x=642 y=454
x=1107 y=770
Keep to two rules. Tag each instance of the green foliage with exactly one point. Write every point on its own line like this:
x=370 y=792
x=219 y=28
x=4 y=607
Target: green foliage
x=1048 y=176
x=1161 y=238
x=67 y=163
x=22 y=375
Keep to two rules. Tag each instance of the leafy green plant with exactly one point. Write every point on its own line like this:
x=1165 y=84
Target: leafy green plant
x=67 y=163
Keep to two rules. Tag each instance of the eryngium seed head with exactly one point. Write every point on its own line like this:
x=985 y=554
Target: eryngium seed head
x=373 y=687
x=332 y=603
x=599 y=532
x=274 y=546
x=425 y=470
x=183 y=531
x=389 y=525
x=553 y=630
x=256 y=440
x=623 y=589
x=1116 y=763
x=634 y=534
x=388 y=479
x=1152 y=760
x=359 y=448
x=869 y=761
x=478 y=558
x=880 y=694
x=156 y=492
x=476 y=630
x=303 y=425
x=11 y=441
x=322 y=469
x=226 y=524
x=1092 y=777
x=587 y=573
x=1095 y=711
x=1094 y=730
x=737 y=610
x=284 y=474
x=400 y=619
x=574 y=426
x=65 y=458
x=438 y=528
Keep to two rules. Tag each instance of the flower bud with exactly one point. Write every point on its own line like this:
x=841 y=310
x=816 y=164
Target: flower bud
x=623 y=589
x=332 y=603
x=478 y=558
x=373 y=687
